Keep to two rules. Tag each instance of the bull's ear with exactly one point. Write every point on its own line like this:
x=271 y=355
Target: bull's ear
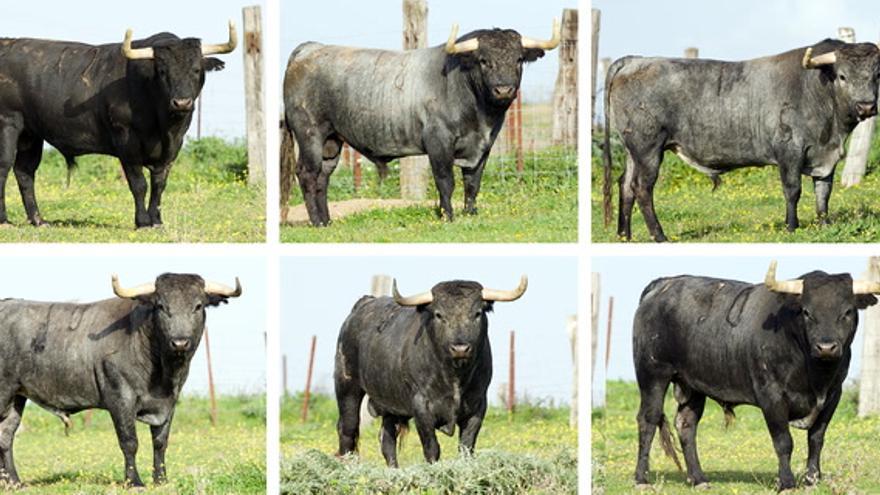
x=865 y=300
x=488 y=306
x=216 y=300
x=212 y=64
x=532 y=54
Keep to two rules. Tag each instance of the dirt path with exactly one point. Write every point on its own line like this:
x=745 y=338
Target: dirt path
x=297 y=215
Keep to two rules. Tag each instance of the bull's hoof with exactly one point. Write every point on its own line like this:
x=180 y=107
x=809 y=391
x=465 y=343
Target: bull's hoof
x=644 y=486
x=470 y=211
x=824 y=220
x=157 y=226
x=812 y=478
x=703 y=486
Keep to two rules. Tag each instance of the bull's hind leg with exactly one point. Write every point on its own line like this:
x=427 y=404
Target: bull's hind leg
x=391 y=425
x=349 y=396
x=822 y=187
x=690 y=410
x=10 y=130
x=649 y=418
x=318 y=157
x=30 y=151
x=626 y=199
x=647 y=170
x=8 y=426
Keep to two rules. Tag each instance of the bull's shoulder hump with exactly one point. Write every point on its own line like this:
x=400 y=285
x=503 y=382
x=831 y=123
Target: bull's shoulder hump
x=692 y=282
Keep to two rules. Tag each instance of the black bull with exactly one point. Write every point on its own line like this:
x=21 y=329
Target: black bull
x=131 y=100
x=129 y=355
x=782 y=346
x=425 y=357
x=794 y=110
x=448 y=102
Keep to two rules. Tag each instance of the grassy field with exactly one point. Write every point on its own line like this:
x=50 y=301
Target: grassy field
x=737 y=460
x=747 y=207
x=228 y=458
x=207 y=199
x=539 y=205
x=533 y=452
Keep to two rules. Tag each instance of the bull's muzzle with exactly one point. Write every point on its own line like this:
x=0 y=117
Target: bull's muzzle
x=866 y=109
x=827 y=351
x=460 y=351
x=182 y=104
x=180 y=345
x=504 y=93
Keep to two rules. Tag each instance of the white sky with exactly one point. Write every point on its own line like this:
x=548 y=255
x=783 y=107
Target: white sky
x=379 y=24
x=101 y=21
x=318 y=294
x=624 y=278
x=236 y=329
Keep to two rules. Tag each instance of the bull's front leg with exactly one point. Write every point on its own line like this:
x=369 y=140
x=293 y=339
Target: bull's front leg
x=777 y=424
x=425 y=421
x=158 y=178
x=472 y=177
x=137 y=184
x=816 y=438
x=441 y=157
x=822 y=187
x=469 y=428
x=791 y=189
x=124 y=422
x=160 y=443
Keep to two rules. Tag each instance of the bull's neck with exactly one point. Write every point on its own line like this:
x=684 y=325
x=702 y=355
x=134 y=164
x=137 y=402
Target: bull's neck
x=161 y=369
x=822 y=93
x=464 y=87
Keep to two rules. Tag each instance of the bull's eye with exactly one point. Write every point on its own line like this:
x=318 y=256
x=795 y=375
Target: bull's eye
x=807 y=314
x=197 y=308
x=437 y=315
x=477 y=315
x=841 y=77
x=161 y=307
x=849 y=314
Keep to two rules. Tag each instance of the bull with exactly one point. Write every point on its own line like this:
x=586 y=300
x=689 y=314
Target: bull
x=425 y=357
x=447 y=101
x=794 y=110
x=133 y=100
x=129 y=355
x=783 y=346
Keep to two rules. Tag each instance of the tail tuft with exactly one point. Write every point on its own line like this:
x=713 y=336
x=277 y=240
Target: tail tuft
x=666 y=441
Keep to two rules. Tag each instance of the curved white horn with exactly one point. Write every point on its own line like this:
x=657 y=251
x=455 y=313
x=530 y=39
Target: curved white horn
x=507 y=295
x=811 y=62
x=786 y=286
x=416 y=300
x=218 y=289
x=465 y=46
x=129 y=293
x=866 y=287
x=223 y=47
x=545 y=44
x=134 y=53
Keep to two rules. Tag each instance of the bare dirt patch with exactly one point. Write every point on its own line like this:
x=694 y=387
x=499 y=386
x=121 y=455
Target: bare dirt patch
x=297 y=215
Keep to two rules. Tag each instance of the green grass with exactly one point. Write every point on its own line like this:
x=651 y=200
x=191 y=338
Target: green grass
x=748 y=207
x=539 y=205
x=739 y=459
x=227 y=458
x=534 y=451
x=207 y=199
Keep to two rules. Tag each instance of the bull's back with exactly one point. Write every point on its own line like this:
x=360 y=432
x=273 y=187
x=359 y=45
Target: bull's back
x=377 y=100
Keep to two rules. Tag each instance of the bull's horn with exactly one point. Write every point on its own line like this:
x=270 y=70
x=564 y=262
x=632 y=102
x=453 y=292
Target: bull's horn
x=216 y=289
x=129 y=293
x=866 y=287
x=223 y=47
x=416 y=300
x=134 y=53
x=786 y=286
x=507 y=295
x=463 y=47
x=545 y=44
x=811 y=62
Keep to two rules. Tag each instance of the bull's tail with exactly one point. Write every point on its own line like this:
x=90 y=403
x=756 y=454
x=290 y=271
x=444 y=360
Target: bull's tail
x=71 y=166
x=729 y=415
x=666 y=441
x=606 y=152
x=402 y=432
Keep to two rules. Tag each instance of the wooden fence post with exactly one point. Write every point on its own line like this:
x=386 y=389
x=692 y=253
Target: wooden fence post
x=595 y=302
x=604 y=64
x=380 y=285
x=571 y=329
x=608 y=332
x=860 y=141
x=253 y=90
x=691 y=52
x=511 y=375
x=284 y=388
x=210 y=380
x=596 y=18
x=519 y=141
x=308 y=391
x=869 y=379
x=565 y=97
x=414 y=169
x=199 y=116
